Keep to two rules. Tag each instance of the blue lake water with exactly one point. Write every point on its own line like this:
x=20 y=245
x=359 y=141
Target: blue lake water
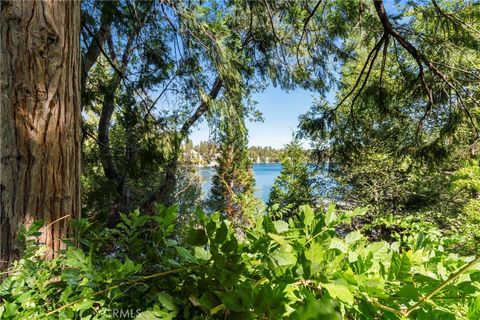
x=265 y=174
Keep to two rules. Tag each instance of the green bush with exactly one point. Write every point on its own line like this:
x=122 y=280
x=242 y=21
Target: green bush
x=300 y=269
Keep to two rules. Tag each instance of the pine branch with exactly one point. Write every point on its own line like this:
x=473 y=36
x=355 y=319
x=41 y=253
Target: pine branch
x=421 y=60
x=305 y=25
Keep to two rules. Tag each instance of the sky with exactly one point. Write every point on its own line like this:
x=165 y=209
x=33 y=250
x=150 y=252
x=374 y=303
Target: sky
x=280 y=111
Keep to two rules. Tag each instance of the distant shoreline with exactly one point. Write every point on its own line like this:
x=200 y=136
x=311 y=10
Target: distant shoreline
x=211 y=167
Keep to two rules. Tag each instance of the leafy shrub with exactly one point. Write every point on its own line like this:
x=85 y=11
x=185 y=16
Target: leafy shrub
x=298 y=269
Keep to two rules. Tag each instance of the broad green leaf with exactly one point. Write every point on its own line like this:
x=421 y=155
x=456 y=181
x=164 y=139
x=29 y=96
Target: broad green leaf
x=399 y=266
x=308 y=215
x=85 y=304
x=463 y=278
x=353 y=237
x=197 y=237
x=130 y=267
x=315 y=254
x=409 y=291
x=281 y=226
x=379 y=250
x=75 y=257
x=215 y=216
x=208 y=300
x=283 y=258
x=359 y=212
x=314 y=309
x=185 y=254
x=279 y=239
x=34 y=229
x=352 y=256
x=167 y=301
x=171 y=214
x=146 y=315
x=232 y=301
x=338 y=244
x=330 y=215
x=202 y=254
x=339 y=291
x=221 y=233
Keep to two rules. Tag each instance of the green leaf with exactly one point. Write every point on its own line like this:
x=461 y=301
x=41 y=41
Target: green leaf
x=167 y=301
x=474 y=309
x=409 y=291
x=338 y=244
x=339 y=291
x=353 y=237
x=399 y=267
x=359 y=212
x=34 y=229
x=232 y=301
x=419 y=243
x=230 y=245
x=197 y=237
x=379 y=250
x=314 y=309
x=146 y=315
x=130 y=267
x=185 y=254
x=170 y=214
x=221 y=233
x=85 y=304
x=202 y=254
x=281 y=226
x=279 y=239
x=315 y=254
x=330 y=215
x=75 y=257
x=283 y=258
x=215 y=216
x=308 y=215
x=208 y=300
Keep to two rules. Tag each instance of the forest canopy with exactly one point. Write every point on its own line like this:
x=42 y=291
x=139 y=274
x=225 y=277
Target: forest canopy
x=104 y=215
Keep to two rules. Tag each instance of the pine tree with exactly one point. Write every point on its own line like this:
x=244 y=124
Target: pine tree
x=233 y=183
x=294 y=186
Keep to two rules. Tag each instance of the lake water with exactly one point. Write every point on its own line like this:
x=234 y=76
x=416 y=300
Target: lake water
x=265 y=174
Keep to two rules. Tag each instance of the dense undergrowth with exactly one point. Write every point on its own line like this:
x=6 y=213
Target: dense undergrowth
x=146 y=268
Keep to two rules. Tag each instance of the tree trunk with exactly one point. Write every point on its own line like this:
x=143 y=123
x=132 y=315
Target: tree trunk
x=39 y=120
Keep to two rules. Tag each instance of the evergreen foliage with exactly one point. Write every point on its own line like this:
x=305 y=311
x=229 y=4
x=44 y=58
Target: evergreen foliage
x=233 y=183
x=295 y=184
x=406 y=114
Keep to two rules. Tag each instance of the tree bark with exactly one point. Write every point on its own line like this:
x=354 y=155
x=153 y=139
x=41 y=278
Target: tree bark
x=39 y=121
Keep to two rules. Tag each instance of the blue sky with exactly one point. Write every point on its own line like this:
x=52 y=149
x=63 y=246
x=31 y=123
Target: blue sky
x=280 y=111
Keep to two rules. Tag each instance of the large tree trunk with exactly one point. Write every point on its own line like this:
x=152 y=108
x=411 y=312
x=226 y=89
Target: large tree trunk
x=39 y=120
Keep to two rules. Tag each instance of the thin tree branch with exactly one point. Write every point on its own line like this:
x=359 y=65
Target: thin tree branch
x=374 y=51
x=305 y=25
x=202 y=108
x=442 y=285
